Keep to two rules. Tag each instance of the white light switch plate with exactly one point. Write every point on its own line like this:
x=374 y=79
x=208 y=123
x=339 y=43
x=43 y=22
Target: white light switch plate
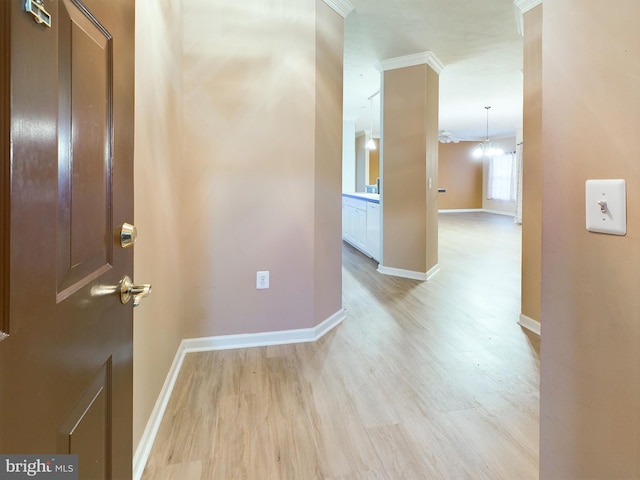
x=606 y=206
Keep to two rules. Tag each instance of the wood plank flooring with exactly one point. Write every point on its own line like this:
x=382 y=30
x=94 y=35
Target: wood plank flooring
x=430 y=380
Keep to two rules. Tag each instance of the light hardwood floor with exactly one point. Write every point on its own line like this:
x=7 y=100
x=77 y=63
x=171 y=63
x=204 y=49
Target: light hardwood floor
x=430 y=380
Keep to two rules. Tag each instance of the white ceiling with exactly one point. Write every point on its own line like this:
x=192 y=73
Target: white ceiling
x=477 y=41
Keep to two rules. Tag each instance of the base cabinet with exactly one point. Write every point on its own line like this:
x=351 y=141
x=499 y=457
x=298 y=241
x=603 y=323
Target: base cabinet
x=361 y=225
x=373 y=230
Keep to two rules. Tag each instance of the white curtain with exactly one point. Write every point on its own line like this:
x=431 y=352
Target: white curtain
x=502 y=178
x=518 y=216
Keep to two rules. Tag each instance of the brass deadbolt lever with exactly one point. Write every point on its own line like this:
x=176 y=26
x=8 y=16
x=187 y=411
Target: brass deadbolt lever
x=128 y=235
x=128 y=290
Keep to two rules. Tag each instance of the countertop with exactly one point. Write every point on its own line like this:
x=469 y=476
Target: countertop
x=369 y=197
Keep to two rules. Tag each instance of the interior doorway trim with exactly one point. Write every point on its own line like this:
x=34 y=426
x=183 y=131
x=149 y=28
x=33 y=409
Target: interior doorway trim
x=5 y=164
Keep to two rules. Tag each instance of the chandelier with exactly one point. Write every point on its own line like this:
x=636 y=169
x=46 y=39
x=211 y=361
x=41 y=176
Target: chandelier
x=487 y=148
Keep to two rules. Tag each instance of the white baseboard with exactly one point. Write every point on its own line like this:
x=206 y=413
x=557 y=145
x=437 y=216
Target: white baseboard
x=399 y=272
x=432 y=271
x=153 y=424
x=248 y=340
x=500 y=212
x=530 y=324
x=413 y=275
x=477 y=210
x=223 y=342
x=460 y=210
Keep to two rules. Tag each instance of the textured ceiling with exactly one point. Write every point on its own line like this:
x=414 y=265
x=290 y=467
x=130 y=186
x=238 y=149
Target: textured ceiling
x=477 y=41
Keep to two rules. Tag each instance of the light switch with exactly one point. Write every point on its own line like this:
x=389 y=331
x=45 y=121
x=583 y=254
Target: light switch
x=606 y=206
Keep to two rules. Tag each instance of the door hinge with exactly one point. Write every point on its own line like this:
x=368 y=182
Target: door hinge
x=36 y=8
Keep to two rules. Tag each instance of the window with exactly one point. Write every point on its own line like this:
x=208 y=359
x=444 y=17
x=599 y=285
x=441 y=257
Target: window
x=502 y=178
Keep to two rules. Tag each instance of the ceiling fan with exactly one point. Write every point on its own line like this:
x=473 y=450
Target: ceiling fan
x=444 y=136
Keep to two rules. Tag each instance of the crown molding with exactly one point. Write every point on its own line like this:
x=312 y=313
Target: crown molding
x=526 y=5
x=412 y=60
x=520 y=8
x=341 y=7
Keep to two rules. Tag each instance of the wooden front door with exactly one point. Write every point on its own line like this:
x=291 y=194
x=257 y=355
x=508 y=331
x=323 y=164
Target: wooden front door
x=66 y=188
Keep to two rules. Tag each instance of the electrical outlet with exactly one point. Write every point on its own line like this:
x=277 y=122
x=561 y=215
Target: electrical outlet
x=262 y=280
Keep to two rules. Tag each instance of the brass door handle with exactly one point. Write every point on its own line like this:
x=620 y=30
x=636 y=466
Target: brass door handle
x=129 y=290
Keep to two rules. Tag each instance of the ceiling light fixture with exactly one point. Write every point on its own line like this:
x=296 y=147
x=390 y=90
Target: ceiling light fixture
x=371 y=145
x=487 y=148
x=446 y=137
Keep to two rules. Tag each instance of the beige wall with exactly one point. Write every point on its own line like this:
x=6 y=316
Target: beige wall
x=327 y=246
x=361 y=162
x=590 y=401
x=367 y=162
x=158 y=326
x=237 y=169
x=432 y=107
x=461 y=175
x=251 y=197
x=409 y=158
x=348 y=155
x=374 y=163
x=532 y=166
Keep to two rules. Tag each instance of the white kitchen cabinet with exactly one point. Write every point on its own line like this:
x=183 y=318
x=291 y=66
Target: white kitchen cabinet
x=360 y=228
x=361 y=224
x=373 y=230
x=354 y=221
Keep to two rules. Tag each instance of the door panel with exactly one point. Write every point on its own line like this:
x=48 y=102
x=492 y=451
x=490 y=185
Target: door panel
x=86 y=433
x=85 y=132
x=66 y=132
